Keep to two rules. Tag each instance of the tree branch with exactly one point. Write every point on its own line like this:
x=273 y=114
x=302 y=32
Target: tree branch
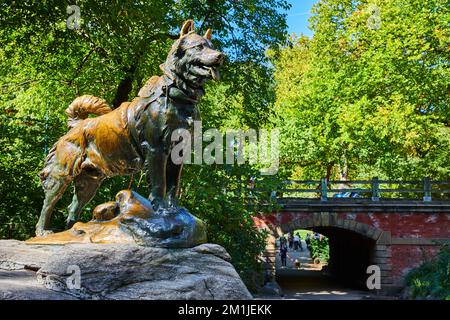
x=6 y=85
x=80 y=66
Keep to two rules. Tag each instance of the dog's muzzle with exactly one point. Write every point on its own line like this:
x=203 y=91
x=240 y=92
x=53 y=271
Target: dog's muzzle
x=213 y=69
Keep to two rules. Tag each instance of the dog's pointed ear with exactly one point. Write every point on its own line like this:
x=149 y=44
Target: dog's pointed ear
x=188 y=26
x=208 y=34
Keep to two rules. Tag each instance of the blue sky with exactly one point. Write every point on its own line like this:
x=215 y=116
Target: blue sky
x=297 y=17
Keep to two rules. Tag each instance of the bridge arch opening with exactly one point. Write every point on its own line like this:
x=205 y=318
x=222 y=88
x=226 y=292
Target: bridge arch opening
x=352 y=248
x=350 y=253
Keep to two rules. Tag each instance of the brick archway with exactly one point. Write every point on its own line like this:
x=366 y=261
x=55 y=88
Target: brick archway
x=325 y=219
x=401 y=233
x=380 y=255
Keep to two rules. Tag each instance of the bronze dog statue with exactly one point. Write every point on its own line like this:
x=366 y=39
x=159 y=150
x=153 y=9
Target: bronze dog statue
x=134 y=136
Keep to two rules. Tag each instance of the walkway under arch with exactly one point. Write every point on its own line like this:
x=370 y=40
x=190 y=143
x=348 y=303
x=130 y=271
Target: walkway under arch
x=353 y=246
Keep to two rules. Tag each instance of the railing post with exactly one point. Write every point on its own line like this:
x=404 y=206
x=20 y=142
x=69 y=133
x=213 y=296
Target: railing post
x=426 y=189
x=323 y=189
x=375 y=189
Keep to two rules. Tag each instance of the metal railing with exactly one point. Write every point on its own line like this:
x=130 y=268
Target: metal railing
x=373 y=189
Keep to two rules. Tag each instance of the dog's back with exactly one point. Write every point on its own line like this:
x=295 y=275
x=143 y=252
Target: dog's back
x=101 y=143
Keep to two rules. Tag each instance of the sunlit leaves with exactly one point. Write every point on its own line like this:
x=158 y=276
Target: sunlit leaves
x=373 y=99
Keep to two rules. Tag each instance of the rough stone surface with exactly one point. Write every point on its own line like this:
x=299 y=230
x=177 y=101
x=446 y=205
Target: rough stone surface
x=15 y=255
x=23 y=285
x=117 y=271
x=271 y=289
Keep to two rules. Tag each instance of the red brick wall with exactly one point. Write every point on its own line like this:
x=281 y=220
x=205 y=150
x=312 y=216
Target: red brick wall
x=401 y=225
x=408 y=225
x=406 y=257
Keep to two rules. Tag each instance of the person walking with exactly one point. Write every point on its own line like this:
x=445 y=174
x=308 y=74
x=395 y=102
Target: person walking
x=296 y=239
x=283 y=240
x=291 y=240
x=283 y=255
x=308 y=240
x=300 y=244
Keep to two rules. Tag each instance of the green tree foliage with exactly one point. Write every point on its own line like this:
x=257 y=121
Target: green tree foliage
x=44 y=65
x=432 y=278
x=320 y=249
x=368 y=94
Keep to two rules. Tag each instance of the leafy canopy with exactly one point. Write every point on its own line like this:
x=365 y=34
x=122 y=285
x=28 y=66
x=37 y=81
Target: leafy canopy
x=362 y=98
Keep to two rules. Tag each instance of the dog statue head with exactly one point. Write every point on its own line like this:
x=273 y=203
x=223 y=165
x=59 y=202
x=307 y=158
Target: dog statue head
x=193 y=60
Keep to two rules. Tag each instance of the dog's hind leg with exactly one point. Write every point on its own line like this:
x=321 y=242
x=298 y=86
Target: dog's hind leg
x=54 y=188
x=86 y=185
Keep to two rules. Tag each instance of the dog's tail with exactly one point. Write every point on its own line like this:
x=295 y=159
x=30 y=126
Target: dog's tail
x=83 y=106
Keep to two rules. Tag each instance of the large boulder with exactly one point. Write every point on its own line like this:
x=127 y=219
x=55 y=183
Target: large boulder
x=117 y=271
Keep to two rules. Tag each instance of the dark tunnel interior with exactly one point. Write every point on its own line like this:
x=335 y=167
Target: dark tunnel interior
x=350 y=255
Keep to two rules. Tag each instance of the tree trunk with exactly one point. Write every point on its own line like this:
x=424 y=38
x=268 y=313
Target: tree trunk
x=329 y=170
x=343 y=172
x=124 y=88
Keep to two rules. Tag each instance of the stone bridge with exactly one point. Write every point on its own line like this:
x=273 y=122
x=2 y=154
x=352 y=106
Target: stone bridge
x=396 y=235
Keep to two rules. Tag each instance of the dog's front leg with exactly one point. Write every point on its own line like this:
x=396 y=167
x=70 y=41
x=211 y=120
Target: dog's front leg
x=173 y=175
x=156 y=176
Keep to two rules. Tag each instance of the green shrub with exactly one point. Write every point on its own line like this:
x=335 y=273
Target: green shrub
x=432 y=278
x=320 y=249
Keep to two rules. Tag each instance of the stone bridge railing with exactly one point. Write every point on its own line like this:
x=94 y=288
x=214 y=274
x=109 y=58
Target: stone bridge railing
x=373 y=189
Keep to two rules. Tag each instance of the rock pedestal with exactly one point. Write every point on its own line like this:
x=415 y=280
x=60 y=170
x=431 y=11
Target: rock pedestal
x=117 y=271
